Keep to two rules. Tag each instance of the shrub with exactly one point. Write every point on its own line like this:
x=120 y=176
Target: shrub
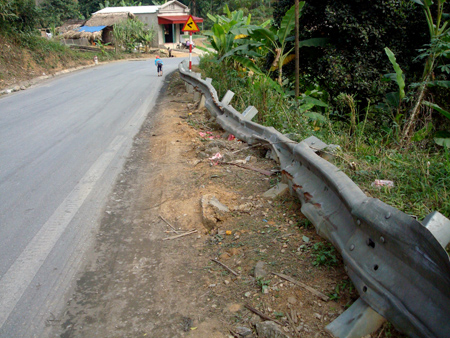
x=359 y=31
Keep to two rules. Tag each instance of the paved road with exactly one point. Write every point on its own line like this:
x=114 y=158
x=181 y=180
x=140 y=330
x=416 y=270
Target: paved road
x=62 y=145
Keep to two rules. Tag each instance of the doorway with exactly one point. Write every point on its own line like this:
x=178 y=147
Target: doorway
x=168 y=33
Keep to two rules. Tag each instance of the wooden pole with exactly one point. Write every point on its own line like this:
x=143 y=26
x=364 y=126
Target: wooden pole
x=297 y=56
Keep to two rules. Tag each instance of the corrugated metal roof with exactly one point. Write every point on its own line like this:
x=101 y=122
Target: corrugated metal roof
x=131 y=9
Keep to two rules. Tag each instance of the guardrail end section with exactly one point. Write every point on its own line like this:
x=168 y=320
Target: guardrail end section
x=227 y=98
x=357 y=321
x=249 y=113
x=439 y=226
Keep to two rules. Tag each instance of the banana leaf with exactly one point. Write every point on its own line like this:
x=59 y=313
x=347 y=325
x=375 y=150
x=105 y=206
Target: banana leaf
x=288 y=23
x=437 y=108
x=399 y=73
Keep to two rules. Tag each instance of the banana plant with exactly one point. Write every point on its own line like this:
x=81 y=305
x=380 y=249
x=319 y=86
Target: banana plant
x=439 y=29
x=227 y=31
x=146 y=38
x=394 y=99
x=398 y=77
x=275 y=41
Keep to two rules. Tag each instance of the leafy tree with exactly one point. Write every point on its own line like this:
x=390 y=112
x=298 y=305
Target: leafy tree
x=146 y=38
x=121 y=3
x=127 y=33
x=227 y=31
x=18 y=15
x=87 y=7
x=438 y=48
x=56 y=12
x=276 y=41
x=358 y=31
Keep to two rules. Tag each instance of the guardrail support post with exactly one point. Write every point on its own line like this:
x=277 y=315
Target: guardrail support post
x=197 y=94
x=189 y=88
x=357 y=321
x=249 y=113
x=201 y=104
x=439 y=226
x=227 y=98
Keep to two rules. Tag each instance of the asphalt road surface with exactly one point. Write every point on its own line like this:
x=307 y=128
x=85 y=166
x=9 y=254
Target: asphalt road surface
x=62 y=145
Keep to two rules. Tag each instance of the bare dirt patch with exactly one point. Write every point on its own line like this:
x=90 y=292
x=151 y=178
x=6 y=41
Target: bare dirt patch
x=140 y=282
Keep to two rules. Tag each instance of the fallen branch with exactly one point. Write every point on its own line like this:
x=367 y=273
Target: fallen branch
x=261 y=171
x=262 y=315
x=322 y=296
x=234 y=334
x=226 y=267
x=178 y=236
x=156 y=205
x=168 y=224
x=253 y=146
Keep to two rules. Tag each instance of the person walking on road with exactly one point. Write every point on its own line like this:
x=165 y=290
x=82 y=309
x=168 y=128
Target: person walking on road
x=159 y=65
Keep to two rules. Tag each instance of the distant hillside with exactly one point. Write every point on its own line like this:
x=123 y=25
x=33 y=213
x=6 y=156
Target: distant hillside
x=24 y=57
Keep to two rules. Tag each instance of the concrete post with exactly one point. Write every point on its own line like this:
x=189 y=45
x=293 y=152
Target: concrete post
x=201 y=104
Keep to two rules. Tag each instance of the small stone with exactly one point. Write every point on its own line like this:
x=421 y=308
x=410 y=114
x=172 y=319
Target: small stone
x=292 y=300
x=269 y=329
x=212 y=211
x=276 y=191
x=243 y=331
x=260 y=272
x=255 y=319
x=247 y=294
x=226 y=282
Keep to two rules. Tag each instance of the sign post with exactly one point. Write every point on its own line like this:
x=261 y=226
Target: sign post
x=190 y=26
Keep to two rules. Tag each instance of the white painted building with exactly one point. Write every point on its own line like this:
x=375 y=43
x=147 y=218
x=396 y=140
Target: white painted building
x=167 y=20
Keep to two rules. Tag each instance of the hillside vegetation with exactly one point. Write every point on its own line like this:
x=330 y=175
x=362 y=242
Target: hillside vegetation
x=26 y=57
x=363 y=86
x=25 y=54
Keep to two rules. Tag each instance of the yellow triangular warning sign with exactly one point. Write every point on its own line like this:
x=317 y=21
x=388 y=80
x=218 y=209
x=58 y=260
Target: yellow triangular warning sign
x=190 y=25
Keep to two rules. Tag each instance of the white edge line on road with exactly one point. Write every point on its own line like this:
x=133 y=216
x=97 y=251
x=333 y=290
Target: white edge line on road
x=19 y=276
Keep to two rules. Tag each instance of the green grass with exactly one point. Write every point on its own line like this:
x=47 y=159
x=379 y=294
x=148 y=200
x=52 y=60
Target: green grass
x=324 y=254
x=421 y=173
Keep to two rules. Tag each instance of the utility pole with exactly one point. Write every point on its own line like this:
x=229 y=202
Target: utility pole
x=297 y=56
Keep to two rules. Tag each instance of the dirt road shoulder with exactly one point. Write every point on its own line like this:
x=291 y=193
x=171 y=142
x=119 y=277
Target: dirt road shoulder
x=151 y=271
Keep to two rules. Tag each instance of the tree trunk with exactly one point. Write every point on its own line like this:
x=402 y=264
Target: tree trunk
x=406 y=137
x=280 y=73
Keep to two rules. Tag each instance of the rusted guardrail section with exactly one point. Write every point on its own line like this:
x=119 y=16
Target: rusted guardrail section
x=399 y=268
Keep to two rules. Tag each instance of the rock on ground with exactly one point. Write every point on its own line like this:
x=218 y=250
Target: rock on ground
x=269 y=329
x=212 y=211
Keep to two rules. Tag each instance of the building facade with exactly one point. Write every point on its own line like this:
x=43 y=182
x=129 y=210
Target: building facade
x=167 y=20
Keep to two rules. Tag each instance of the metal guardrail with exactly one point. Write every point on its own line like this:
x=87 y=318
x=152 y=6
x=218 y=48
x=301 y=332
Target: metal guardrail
x=398 y=266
